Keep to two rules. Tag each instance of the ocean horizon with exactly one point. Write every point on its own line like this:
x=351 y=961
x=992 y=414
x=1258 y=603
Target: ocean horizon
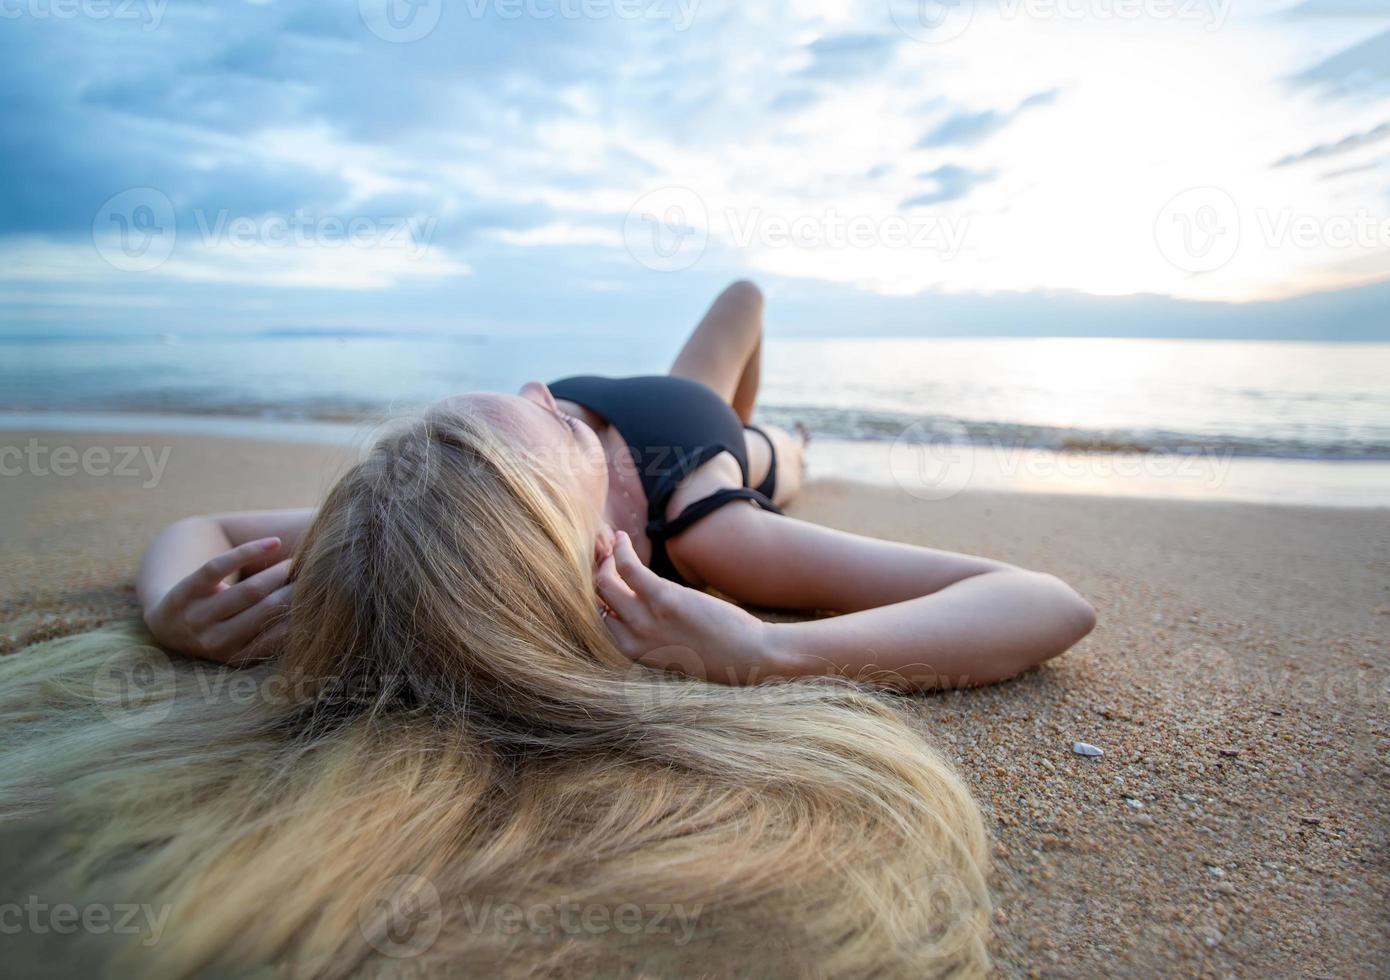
x=1276 y=399
x=1274 y=421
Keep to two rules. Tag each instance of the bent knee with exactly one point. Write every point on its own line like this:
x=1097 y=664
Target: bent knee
x=743 y=292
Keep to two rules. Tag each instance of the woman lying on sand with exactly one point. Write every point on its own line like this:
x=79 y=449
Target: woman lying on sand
x=643 y=469
x=444 y=753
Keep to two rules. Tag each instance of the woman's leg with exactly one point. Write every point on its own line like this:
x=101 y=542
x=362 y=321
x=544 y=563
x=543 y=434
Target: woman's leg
x=725 y=350
x=791 y=460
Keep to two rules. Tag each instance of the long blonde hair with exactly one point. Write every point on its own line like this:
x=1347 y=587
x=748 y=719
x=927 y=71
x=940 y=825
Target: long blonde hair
x=450 y=770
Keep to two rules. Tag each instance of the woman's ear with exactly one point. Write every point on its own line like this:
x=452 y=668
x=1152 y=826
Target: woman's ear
x=604 y=542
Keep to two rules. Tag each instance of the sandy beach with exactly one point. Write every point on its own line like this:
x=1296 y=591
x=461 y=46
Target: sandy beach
x=1238 y=684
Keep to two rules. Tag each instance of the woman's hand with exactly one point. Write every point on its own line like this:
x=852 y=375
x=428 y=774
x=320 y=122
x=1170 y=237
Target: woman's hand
x=668 y=626
x=204 y=616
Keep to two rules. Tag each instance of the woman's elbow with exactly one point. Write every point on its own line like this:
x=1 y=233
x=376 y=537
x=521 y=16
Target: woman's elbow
x=1077 y=617
x=1080 y=612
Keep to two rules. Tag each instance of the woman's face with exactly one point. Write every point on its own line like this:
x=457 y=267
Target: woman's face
x=560 y=445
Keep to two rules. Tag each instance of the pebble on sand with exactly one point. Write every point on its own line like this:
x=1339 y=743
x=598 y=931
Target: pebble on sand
x=1087 y=749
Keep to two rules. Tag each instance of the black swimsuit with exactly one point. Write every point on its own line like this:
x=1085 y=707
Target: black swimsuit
x=672 y=425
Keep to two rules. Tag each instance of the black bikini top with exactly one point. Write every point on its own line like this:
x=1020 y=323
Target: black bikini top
x=672 y=426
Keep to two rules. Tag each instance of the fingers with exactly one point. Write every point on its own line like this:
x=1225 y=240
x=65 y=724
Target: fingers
x=245 y=594
x=641 y=579
x=615 y=592
x=236 y=633
x=268 y=643
x=623 y=638
x=206 y=579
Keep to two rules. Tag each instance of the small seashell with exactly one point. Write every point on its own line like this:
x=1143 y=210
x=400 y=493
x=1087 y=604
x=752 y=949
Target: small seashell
x=1087 y=749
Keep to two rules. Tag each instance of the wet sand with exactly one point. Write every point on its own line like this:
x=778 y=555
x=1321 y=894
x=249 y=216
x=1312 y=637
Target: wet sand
x=1238 y=682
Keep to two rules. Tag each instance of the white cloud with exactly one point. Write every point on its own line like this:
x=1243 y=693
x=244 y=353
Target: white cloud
x=1148 y=108
x=563 y=139
x=562 y=233
x=346 y=267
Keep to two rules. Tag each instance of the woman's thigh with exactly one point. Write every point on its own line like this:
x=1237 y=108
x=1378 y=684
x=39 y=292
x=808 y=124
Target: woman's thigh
x=791 y=463
x=719 y=348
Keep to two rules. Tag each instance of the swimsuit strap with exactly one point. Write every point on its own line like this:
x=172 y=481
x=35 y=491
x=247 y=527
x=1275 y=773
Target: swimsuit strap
x=768 y=488
x=660 y=487
x=671 y=427
x=662 y=530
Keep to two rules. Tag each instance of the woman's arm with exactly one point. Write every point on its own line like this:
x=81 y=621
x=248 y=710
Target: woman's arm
x=977 y=631
x=185 y=581
x=913 y=617
x=185 y=545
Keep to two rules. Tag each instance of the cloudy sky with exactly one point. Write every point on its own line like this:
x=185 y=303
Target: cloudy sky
x=1157 y=167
